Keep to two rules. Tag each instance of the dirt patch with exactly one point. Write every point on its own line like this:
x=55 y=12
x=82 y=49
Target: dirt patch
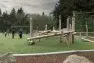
x=7 y=58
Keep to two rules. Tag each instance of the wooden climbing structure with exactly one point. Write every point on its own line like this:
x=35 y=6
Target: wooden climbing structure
x=66 y=35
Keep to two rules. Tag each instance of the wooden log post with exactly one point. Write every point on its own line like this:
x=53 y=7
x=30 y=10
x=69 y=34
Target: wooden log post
x=61 y=37
x=60 y=28
x=46 y=27
x=80 y=34
x=73 y=22
x=71 y=38
x=60 y=23
x=86 y=31
x=73 y=26
x=53 y=28
x=31 y=42
x=70 y=27
x=68 y=24
x=31 y=28
x=68 y=39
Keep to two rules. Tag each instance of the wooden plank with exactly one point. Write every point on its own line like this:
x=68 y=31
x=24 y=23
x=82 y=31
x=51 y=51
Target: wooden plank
x=87 y=40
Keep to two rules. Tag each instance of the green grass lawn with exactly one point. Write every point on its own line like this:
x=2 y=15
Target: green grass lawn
x=51 y=44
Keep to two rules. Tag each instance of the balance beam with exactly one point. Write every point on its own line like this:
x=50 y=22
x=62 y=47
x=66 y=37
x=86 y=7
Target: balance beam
x=87 y=40
x=50 y=35
x=43 y=36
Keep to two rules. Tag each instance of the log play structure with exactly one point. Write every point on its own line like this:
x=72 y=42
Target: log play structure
x=66 y=35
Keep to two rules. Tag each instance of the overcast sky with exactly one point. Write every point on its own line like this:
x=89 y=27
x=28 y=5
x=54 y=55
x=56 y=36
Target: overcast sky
x=29 y=6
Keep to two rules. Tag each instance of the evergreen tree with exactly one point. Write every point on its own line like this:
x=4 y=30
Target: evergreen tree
x=12 y=16
x=20 y=16
x=0 y=12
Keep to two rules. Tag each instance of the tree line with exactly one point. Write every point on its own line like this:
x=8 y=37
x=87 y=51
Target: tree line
x=17 y=19
x=65 y=8
x=14 y=18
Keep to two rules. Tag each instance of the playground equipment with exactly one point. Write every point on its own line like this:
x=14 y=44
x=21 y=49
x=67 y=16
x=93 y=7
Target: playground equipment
x=86 y=31
x=87 y=38
x=66 y=35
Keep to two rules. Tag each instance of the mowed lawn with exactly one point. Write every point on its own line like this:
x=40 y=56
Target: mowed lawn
x=51 y=44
